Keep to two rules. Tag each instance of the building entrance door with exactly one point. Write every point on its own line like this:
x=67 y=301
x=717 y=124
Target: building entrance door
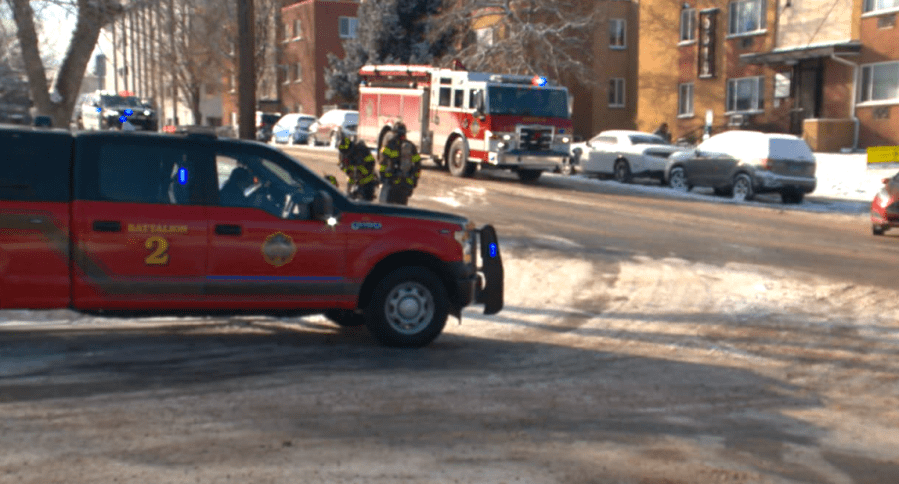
x=807 y=96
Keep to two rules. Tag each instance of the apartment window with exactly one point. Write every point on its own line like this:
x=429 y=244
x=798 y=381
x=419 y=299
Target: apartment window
x=685 y=100
x=297 y=72
x=297 y=29
x=617 y=30
x=232 y=83
x=347 y=27
x=782 y=85
x=880 y=82
x=688 y=24
x=877 y=5
x=746 y=16
x=287 y=73
x=616 y=93
x=287 y=33
x=745 y=94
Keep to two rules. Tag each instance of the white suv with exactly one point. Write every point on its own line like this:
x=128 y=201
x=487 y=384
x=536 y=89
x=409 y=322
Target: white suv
x=332 y=126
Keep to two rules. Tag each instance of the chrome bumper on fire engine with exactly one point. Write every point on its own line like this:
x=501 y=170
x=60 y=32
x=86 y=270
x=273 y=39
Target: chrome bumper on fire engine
x=530 y=160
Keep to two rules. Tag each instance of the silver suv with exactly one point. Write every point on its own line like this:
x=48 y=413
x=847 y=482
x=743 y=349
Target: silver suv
x=744 y=163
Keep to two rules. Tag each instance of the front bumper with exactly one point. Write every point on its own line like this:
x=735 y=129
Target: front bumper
x=140 y=123
x=481 y=280
x=528 y=160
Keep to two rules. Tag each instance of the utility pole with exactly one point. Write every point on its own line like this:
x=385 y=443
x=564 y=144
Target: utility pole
x=160 y=93
x=174 y=62
x=134 y=64
x=246 y=83
x=115 y=57
x=124 y=54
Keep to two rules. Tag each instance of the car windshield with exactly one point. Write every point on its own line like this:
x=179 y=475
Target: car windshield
x=351 y=118
x=527 y=101
x=120 y=101
x=305 y=122
x=269 y=119
x=646 y=139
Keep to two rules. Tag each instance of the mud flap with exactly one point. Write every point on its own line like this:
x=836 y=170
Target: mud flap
x=491 y=294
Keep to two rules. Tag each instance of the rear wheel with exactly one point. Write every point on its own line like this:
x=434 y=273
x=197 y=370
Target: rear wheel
x=408 y=308
x=458 y=160
x=529 y=175
x=622 y=171
x=742 y=188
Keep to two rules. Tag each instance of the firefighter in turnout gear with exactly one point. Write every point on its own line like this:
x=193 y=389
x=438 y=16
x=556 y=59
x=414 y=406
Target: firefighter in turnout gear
x=356 y=161
x=400 y=167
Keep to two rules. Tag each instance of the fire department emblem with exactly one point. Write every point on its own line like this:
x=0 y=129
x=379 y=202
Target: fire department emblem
x=369 y=108
x=278 y=249
x=475 y=127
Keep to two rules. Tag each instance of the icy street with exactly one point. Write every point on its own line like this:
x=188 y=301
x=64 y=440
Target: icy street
x=648 y=337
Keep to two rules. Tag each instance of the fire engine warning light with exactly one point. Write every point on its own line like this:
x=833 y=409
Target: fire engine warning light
x=538 y=81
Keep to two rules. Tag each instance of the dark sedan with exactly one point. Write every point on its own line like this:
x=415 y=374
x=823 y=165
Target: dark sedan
x=744 y=163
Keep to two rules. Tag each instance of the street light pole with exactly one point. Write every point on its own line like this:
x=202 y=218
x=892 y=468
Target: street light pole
x=246 y=60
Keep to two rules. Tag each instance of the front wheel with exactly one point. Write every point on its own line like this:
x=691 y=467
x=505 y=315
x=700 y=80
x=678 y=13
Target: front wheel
x=742 y=188
x=408 y=308
x=458 y=160
x=622 y=171
x=677 y=179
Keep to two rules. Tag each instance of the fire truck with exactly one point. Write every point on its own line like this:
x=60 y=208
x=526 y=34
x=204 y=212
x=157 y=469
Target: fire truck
x=463 y=119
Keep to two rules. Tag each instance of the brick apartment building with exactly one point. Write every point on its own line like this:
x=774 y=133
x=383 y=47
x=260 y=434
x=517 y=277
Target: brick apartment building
x=311 y=30
x=827 y=70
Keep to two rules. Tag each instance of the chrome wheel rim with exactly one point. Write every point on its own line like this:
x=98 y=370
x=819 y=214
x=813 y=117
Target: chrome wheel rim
x=741 y=189
x=409 y=308
x=677 y=180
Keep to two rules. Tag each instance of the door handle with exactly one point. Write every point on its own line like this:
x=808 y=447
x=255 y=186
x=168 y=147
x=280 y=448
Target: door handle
x=107 y=226
x=228 y=229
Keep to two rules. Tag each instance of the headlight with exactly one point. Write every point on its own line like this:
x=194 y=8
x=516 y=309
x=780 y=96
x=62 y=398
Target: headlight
x=507 y=137
x=501 y=145
x=463 y=237
x=565 y=140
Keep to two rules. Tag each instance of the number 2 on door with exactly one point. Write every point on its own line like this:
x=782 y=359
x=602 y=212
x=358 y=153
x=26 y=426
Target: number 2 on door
x=159 y=255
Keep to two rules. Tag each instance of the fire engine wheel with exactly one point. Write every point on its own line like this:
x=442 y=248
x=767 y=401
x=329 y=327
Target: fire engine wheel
x=408 y=308
x=458 y=162
x=345 y=317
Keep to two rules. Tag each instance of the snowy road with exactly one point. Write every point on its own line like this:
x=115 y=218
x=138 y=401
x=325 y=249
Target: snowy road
x=647 y=338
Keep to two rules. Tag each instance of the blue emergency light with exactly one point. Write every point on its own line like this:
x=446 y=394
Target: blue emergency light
x=182 y=175
x=128 y=112
x=538 y=81
x=492 y=250
x=122 y=119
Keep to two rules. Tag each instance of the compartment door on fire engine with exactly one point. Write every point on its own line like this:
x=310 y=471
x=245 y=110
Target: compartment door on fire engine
x=139 y=224
x=265 y=249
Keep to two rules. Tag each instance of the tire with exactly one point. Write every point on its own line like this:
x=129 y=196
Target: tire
x=458 y=165
x=408 y=308
x=345 y=317
x=877 y=229
x=622 y=171
x=529 y=175
x=677 y=179
x=310 y=141
x=742 y=191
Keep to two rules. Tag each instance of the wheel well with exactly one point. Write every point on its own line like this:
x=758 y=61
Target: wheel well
x=404 y=259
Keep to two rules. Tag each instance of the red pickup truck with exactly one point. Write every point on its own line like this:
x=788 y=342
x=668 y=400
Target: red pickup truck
x=141 y=223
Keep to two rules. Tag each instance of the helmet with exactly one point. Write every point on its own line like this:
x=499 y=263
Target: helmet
x=399 y=129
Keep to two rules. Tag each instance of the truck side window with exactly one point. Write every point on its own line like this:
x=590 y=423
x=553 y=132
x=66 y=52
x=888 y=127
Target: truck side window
x=459 y=98
x=144 y=173
x=37 y=168
x=473 y=98
x=445 y=95
x=250 y=181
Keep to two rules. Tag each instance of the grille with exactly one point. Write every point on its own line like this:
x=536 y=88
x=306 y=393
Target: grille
x=536 y=139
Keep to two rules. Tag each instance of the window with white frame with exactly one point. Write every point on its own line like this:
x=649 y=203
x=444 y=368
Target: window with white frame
x=287 y=73
x=617 y=32
x=878 y=5
x=746 y=16
x=297 y=29
x=287 y=33
x=880 y=82
x=297 y=72
x=685 y=99
x=745 y=94
x=347 y=27
x=616 y=92
x=687 y=24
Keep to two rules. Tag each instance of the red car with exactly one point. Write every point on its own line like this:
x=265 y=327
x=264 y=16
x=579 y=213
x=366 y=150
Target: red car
x=885 y=207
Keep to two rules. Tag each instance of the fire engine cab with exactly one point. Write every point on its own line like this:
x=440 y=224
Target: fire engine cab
x=468 y=118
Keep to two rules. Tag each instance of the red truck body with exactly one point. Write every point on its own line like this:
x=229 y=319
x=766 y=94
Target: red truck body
x=469 y=118
x=84 y=224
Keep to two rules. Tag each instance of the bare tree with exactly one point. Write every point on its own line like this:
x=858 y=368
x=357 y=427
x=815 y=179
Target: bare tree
x=58 y=100
x=267 y=17
x=547 y=37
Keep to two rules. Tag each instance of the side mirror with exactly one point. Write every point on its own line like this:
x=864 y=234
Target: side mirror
x=479 y=104
x=322 y=206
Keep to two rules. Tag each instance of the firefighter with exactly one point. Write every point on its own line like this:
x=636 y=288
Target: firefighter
x=400 y=167
x=355 y=159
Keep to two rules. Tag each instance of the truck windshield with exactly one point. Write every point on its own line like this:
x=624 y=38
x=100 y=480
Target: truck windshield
x=527 y=101
x=121 y=101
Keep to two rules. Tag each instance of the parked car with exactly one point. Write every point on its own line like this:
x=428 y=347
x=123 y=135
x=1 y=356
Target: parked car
x=264 y=124
x=885 y=206
x=292 y=128
x=332 y=126
x=107 y=110
x=623 y=155
x=744 y=163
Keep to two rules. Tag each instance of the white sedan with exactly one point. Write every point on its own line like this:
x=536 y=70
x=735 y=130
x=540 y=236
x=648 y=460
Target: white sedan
x=623 y=155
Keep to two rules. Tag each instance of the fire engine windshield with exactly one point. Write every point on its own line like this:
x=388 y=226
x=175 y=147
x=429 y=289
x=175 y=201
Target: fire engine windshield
x=527 y=101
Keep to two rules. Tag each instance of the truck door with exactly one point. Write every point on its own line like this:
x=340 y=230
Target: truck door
x=138 y=224
x=261 y=257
